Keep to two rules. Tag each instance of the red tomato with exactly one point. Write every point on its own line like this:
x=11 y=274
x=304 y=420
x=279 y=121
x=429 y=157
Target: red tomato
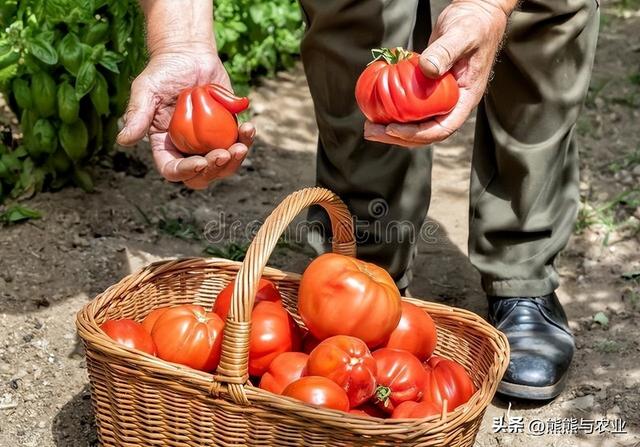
x=273 y=332
x=204 y=119
x=369 y=409
x=283 y=370
x=410 y=409
x=318 y=391
x=340 y=295
x=309 y=342
x=399 y=378
x=348 y=362
x=189 y=335
x=447 y=380
x=392 y=89
x=267 y=291
x=131 y=334
x=415 y=333
x=150 y=320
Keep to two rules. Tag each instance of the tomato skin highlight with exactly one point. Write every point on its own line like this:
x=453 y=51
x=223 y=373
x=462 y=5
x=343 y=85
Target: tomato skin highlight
x=189 y=335
x=130 y=334
x=340 y=295
x=204 y=119
x=348 y=362
x=416 y=332
x=392 y=89
x=267 y=291
x=414 y=410
x=318 y=391
x=285 y=369
x=401 y=377
x=447 y=380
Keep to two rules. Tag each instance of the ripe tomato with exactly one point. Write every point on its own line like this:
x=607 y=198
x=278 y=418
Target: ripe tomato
x=340 y=295
x=369 y=409
x=447 y=380
x=131 y=334
x=318 y=391
x=410 y=409
x=189 y=335
x=283 y=370
x=309 y=342
x=415 y=333
x=401 y=377
x=273 y=332
x=392 y=89
x=267 y=291
x=204 y=119
x=348 y=362
x=150 y=320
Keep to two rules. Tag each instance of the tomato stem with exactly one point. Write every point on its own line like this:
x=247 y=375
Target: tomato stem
x=390 y=55
x=382 y=394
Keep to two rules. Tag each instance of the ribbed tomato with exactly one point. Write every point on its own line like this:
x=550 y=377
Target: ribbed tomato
x=267 y=291
x=412 y=409
x=285 y=369
x=273 y=332
x=447 y=380
x=189 y=335
x=131 y=334
x=400 y=377
x=392 y=89
x=204 y=119
x=150 y=320
x=318 y=391
x=340 y=295
x=369 y=409
x=348 y=362
x=309 y=342
x=416 y=332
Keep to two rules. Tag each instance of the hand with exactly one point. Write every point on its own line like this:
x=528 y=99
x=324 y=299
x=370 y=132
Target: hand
x=465 y=40
x=153 y=96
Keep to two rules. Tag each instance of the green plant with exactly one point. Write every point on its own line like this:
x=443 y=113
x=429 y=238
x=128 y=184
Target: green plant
x=607 y=215
x=65 y=68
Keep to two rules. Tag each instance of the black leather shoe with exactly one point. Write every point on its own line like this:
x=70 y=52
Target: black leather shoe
x=541 y=345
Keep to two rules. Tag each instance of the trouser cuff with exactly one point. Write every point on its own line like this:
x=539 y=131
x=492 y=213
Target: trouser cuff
x=520 y=287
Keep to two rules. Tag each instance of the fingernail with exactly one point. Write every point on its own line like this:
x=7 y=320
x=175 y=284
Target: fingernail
x=201 y=165
x=219 y=161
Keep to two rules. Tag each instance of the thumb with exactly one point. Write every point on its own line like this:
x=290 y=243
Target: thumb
x=442 y=54
x=138 y=116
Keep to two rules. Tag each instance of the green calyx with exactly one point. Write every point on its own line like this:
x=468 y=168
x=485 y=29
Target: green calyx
x=382 y=394
x=390 y=55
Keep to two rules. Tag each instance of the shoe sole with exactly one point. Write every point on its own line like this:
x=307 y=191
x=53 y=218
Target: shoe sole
x=532 y=392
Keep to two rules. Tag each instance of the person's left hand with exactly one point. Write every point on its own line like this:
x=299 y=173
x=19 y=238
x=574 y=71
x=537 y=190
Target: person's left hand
x=465 y=40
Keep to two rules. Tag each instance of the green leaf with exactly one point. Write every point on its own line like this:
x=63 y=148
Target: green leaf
x=86 y=79
x=601 y=319
x=17 y=213
x=110 y=61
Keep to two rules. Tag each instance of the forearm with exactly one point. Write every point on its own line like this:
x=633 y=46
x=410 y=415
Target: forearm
x=175 y=25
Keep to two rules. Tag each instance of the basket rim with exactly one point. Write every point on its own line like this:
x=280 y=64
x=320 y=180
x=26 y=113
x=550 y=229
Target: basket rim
x=179 y=376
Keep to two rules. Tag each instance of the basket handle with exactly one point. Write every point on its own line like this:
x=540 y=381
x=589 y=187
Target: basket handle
x=234 y=360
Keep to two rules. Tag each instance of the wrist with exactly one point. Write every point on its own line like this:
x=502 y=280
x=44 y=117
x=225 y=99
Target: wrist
x=506 y=6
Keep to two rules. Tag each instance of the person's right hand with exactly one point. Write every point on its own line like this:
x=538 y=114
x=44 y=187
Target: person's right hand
x=153 y=98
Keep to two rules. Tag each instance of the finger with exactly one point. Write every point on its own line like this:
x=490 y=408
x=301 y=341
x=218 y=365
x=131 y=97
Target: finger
x=139 y=114
x=217 y=160
x=378 y=133
x=238 y=152
x=172 y=164
x=246 y=134
x=441 y=55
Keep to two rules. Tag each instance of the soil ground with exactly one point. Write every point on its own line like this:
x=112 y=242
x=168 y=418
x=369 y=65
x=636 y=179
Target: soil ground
x=50 y=267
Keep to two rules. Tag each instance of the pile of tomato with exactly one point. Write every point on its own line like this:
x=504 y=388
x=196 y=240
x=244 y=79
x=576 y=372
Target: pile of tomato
x=364 y=350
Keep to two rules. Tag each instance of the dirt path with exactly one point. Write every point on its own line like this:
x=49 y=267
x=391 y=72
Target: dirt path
x=50 y=267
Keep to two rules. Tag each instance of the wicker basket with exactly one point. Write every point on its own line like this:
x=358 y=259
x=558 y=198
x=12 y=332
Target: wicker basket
x=140 y=400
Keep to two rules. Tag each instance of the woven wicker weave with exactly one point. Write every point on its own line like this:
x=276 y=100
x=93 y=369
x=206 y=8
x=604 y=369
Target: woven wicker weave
x=140 y=400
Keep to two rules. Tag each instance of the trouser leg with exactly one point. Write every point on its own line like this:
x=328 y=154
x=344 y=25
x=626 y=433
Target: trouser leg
x=524 y=181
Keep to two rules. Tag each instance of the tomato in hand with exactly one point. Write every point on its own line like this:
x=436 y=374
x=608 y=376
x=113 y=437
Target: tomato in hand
x=150 y=320
x=447 y=380
x=392 y=89
x=340 y=295
x=267 y=291
x=400 y=376
x=410 y=409
x=415 y=333
x=131 y=334
x=318 y=391
x=205 y=119
x=348 y=362
x=273 y=332
x=283 y=370
x=189 y=335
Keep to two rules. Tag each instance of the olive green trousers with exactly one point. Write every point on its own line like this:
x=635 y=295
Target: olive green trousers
x=524 y=179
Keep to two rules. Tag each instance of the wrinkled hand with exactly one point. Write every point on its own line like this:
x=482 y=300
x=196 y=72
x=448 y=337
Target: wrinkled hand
x=153 y=97
x=465 y=40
